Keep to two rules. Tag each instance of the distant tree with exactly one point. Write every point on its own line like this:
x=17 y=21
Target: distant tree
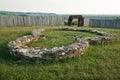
x=74 y=23
x=117 y=18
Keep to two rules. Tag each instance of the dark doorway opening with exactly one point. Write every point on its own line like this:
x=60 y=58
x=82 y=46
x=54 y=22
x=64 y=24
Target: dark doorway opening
x=79 y=17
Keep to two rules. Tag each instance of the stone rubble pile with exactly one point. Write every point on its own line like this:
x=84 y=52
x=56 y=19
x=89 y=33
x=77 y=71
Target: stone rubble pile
x=19 y=49
x=102 y=39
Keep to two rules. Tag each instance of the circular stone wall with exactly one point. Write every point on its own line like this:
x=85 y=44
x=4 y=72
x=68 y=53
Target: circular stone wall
x=18 y=47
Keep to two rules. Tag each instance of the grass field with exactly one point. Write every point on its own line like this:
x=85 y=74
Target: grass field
x=100 y=62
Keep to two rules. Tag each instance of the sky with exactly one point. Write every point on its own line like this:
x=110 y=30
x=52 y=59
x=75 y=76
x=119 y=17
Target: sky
x=62 y=6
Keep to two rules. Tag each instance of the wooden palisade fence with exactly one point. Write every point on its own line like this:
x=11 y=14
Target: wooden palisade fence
x=31 y=20
x=102 y=23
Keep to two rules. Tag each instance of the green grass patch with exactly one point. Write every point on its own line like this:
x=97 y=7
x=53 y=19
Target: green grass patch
x=56 y=38
x=100 y=62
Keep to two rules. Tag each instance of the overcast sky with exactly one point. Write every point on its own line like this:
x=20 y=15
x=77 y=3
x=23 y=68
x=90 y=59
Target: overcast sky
x=63 y=6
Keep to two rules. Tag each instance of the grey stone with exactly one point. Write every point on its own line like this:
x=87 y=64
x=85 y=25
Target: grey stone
x=18 y=47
